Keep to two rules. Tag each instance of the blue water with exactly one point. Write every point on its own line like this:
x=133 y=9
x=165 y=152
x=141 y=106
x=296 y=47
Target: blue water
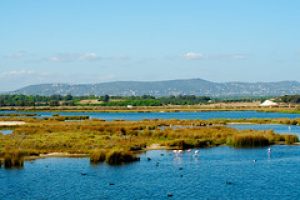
x=168 y=115
x=278 y=128
x=6 y=132
x=218 y=173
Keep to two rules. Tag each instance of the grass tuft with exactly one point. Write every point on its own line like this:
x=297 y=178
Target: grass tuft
x=290 y=139
x=97 y=156
x=13 y=159
x=117 y=157
x=245 y=141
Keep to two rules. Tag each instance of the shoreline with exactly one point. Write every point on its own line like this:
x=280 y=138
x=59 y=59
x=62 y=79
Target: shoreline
x=12 y=123
x=44 y=138
x=166 y=108
x=153 y=147
x=172 y=109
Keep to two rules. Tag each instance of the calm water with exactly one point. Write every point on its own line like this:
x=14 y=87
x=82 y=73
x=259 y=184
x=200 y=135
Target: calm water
x=278 y=128
x=167 y=115
x=6 y=132
x=218 y=173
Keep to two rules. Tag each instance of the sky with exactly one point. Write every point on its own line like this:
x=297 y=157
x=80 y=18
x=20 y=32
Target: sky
x=93 y=41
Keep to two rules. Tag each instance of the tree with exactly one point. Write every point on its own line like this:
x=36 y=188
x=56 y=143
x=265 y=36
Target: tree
x=69 y=97
x=106 y=98
x=54 y=103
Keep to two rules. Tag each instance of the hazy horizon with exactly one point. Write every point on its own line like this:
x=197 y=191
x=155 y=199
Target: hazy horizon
x=75 y=42
x=58 y=83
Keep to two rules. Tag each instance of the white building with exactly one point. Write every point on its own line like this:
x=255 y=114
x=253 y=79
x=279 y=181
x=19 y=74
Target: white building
x=269 y=103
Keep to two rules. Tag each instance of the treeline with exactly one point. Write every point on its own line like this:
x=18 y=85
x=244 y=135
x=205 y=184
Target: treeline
x=24 y=100
x=147 y=100
x=290 y=99
x=234 y=99
x=106 y=100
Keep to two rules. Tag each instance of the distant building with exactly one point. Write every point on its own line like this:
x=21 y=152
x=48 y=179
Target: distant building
x=130 y=106
x=269 y=103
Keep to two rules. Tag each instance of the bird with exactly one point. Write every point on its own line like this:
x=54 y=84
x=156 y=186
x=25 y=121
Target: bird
x=228 y=183
x=170 y=194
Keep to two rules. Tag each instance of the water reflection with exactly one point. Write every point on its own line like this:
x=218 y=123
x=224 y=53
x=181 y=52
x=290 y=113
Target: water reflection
x=269 y=152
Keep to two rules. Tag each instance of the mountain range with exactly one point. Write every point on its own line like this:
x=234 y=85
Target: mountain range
x=197 y=87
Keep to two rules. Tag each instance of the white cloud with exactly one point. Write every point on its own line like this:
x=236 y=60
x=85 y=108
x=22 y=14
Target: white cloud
x=80 y=57
x=193 y=56
x=232 y=56
x=64 y=57
x=16 y=55
x=22 y=72
x=200 y=56
x=15 y=79
x=56 y=59
x=238 y=56
x=89 y=57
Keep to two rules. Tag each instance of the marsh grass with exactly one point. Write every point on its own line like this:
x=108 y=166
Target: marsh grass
x=118 y=157
x=290 y=139
x=97 y=156
x=120 y=141
x=57 y=117
x=248 y=141
x=13 y=159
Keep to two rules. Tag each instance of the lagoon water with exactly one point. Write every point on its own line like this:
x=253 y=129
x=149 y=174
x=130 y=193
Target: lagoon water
x=166 y=115
x=278 y=128
x=6 y=132
x=218 y=173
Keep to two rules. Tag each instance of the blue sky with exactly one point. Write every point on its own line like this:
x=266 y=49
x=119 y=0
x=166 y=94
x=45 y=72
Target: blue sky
x=75 y=41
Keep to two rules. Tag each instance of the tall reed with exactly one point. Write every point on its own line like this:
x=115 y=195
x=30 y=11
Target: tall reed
x=13 y=159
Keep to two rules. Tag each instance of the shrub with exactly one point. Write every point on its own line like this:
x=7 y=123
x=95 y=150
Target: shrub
x=117 y=157
x=181 y=144
x=97 y=156
x=294 y=122
x=241 y=141
x=13 y=159
x=202 y=143
x=137 y=147
x=290 y=139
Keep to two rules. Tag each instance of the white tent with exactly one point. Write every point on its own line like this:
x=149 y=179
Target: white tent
x=269 y=103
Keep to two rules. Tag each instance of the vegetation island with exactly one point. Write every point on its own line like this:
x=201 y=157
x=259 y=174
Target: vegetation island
x=117 y=142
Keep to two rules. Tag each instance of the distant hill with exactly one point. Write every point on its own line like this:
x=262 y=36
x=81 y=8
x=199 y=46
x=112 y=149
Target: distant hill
x=197 y=87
